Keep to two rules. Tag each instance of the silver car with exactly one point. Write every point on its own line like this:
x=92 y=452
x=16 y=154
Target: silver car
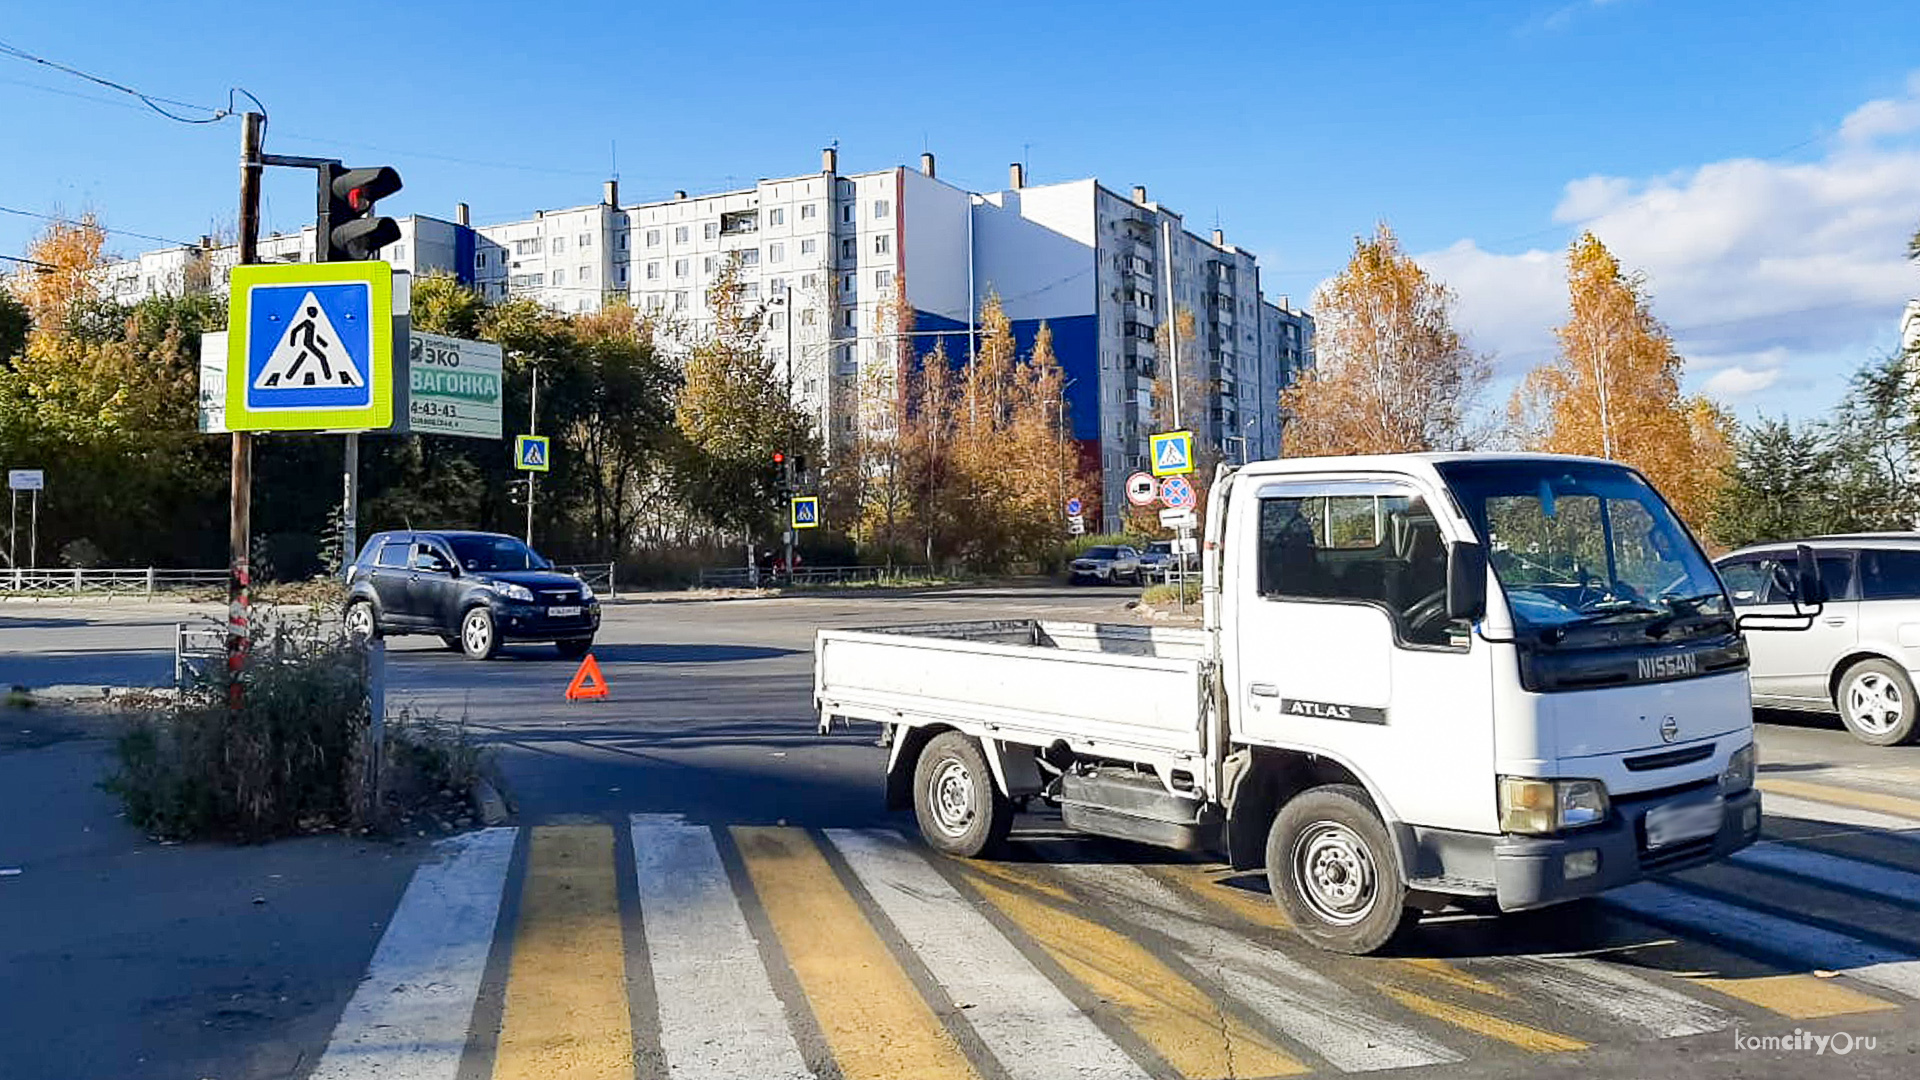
x=1109 y=563
x=1861 y=655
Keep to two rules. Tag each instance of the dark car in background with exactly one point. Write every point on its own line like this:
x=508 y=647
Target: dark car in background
x=476 y=591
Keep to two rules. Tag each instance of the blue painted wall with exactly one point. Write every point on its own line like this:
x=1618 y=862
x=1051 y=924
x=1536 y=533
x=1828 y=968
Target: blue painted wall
x=1076 y=344
x=463 y=250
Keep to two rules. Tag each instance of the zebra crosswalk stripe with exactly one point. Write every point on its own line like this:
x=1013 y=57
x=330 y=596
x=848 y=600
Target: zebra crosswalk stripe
x=410 y=1016
x=1898 y=885
x=1033 y=1030
x=719 y=1016
x=1778 y=805
x=1627 y=1000
x=1814 y=946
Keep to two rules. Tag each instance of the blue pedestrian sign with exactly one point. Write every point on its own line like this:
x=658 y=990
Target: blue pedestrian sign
x=806 y=511
x=1073 y=507
x=1171 y=452
x=530 y=453
x=310 y=347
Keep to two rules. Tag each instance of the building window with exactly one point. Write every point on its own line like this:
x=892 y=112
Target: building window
x=881 y=208
x=480 y=259
x=680 y=301
x=559 y=244
x=623 y=275
x=808 y=211
x=808 y=317
x=848 y=283
x=706 y=265
x=399 y=252
x=583 y=240
x=849 y=248
x=849 y=319
x=883 y=279
x=777 y=321
x=809 y=247
x=584 y=275
x=559 y=278
x=809 y=281
x=527 y=247
x=750 y=290
x=749 y=256
x=775 y=285
x=777 y=216
x=529 y=281
x=740 y=221
x=710 y=230
x=653 y=271
x=679 y=268
x=846 y=214
x=656 y=302
x=653 y=237
x=680 y=234
x=620 y=242
x=883 y=244
x=776 y=253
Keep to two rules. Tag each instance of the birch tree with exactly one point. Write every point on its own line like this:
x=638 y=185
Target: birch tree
x=1393 y=375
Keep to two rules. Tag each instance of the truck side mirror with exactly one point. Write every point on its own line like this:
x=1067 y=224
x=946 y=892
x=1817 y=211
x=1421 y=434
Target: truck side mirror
x=1466 y=581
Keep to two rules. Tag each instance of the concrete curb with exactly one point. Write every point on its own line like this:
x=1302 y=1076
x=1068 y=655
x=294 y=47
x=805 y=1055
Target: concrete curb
x=489 y=804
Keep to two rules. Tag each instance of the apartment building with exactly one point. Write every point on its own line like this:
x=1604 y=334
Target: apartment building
x=823 y=254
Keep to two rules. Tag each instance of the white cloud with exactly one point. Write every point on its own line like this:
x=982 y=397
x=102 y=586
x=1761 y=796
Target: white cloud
x=1776 y=277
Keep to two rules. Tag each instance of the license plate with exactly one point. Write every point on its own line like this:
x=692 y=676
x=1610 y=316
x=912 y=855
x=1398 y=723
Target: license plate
x=1677 y=824
x=563 y=612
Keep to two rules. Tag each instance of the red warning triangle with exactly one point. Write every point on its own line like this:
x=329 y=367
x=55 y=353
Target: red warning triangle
x=587 y=682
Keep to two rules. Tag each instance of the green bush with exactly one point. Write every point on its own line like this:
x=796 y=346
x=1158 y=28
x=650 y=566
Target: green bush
x=1168 y=596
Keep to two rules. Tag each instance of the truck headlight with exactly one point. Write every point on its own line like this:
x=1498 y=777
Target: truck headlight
x=1539 y=807
x=511 y=591
x=1738 y=775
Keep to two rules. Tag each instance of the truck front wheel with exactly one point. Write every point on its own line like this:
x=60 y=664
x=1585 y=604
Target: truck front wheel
x=1335 y=873
x=960 y=810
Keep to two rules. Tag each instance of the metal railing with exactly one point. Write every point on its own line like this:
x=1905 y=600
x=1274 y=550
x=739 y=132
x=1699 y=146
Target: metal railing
x=740 y=577
x=145 y=582
x=598 y=576
x=200 y=646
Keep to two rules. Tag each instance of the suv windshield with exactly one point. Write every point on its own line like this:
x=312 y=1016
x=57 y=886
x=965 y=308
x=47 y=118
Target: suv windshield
x=480 y=553
x=1101 y=553
x=1582 y=543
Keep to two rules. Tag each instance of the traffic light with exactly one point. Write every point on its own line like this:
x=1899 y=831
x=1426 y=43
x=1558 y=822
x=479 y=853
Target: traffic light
x=348 y=230
x=779 y=458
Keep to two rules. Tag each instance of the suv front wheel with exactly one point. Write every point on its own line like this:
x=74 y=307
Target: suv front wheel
x=359 y=621
x=479 y=638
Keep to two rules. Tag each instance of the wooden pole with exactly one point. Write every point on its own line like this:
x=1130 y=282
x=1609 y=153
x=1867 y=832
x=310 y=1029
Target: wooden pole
x=240 y=523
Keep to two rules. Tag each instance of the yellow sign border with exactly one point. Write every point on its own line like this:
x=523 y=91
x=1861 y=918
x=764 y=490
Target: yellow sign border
x=378 y=412
x=546 y=457
x=793 y=512
x=1153 y=452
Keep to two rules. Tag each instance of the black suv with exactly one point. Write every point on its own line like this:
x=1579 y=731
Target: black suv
x=475 y=590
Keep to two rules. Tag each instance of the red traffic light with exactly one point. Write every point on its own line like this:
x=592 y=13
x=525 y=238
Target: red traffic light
x=357 y=198
x=779 y=458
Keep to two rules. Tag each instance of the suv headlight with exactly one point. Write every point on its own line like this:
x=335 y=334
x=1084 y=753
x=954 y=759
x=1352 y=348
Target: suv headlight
x=511 y=591
x=586 y=592
x=1538 y=807
x=1738 y=775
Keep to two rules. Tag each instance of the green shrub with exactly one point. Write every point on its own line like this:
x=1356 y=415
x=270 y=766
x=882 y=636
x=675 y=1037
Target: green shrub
x=1168 y=596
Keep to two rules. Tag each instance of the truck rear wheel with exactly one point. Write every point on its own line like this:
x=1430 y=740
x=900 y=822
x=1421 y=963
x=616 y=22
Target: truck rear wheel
x=1334 y=871
x=960 y=810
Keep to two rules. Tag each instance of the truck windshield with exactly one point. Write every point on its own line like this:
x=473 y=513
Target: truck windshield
x=1582 y=543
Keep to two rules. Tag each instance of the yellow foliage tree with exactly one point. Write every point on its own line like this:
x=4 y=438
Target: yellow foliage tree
x=67 y=254
x=1393 y=374
x=1614 y=389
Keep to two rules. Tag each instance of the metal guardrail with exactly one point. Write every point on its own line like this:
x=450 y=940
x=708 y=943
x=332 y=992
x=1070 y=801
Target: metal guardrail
x=740 y=577
x=598 y=576
x=78 y=581
x=200 y=646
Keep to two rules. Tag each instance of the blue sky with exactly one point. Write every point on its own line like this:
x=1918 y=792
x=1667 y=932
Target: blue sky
x=1709 y=142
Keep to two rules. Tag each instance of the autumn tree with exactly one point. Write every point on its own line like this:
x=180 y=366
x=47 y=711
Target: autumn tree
x=1613 y=391
x=1393 y=374
x=875 y=478
x=59 y=277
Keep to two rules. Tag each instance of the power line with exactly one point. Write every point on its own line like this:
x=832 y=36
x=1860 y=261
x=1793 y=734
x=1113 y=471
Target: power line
x=56 y=219
x=151 y=101
x=29 y=262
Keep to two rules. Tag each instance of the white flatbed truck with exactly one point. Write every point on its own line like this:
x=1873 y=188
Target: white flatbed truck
x=1481 y=679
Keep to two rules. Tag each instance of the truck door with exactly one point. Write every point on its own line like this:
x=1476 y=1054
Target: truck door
x=1344 y=646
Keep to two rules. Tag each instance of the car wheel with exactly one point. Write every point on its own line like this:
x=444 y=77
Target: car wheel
x=1877 y=703
x=359 y=621
x=478 y=636
x=961 y=811
x=573 y=648
x=1335 y=872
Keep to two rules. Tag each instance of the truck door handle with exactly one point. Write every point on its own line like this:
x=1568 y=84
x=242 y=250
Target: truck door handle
x=1263 y=689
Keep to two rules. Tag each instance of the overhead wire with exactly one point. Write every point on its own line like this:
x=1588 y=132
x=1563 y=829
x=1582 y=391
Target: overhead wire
x=58 y=220
x=152 y=101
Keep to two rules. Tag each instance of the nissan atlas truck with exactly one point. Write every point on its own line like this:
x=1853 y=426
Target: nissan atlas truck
x=1497 y=681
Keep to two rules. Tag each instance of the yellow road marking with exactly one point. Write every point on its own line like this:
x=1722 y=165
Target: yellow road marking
x=1507 y=1031
x=1180 y=1021
x=1800 y=996
x=566 y=999
x=875 y=1021
x=1829 y=793
x=1023 y=881
x=1453 y=976
x=1210 y=883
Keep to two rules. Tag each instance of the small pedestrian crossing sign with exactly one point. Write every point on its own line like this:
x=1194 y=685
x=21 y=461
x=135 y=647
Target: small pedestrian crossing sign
x=1172 y=453
x=311 y=347
x=806 y=511
x=530 y=453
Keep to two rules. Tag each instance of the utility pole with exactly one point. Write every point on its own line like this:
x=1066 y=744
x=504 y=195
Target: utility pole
x=240 y=523
x=786 y=302
x=533 y=417
x=1173 y=320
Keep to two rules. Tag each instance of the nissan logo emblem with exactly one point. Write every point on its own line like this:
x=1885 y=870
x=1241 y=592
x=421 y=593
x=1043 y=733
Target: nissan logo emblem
x=1669 y=729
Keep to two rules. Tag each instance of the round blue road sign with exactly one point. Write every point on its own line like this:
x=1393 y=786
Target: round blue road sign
x=1073 y=507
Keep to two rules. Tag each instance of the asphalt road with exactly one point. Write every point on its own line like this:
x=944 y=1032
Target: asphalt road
x=690 y=861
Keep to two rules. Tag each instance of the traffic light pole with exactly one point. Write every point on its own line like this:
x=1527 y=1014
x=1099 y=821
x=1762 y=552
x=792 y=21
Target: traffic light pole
x=533 y=419
x=240 y=522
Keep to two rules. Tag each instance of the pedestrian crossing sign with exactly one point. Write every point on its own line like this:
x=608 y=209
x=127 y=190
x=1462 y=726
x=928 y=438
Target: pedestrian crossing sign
x=530 y=453
x=806 y=511
x=310 y=347
x=1172 y=453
